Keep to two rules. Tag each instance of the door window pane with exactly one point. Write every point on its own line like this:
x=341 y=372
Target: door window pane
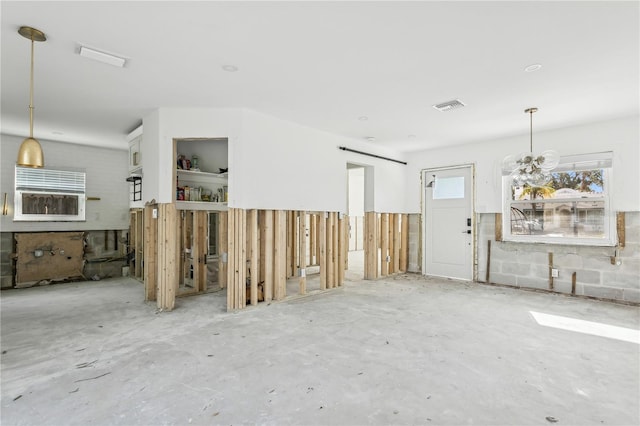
x=448 y=187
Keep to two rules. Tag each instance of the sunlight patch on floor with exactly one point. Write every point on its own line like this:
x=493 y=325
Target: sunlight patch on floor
x=587 y=327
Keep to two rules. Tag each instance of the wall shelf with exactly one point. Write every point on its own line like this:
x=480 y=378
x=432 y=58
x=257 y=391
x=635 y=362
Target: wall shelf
x=201 y=205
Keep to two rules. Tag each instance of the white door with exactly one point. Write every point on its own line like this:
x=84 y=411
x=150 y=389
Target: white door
x=448 y=222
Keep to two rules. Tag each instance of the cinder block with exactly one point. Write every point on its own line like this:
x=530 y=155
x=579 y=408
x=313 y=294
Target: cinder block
x=540 y=271
x=499 y=278
x=531 y=282
x=588 y=276
x=630 y=295
x=562 y=286
x=603 y=292
x=515 y=268
x=568 y=261
x=621 y=280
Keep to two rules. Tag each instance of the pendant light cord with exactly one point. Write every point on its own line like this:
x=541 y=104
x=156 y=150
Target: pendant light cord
x=531 y=131
x=31 y=92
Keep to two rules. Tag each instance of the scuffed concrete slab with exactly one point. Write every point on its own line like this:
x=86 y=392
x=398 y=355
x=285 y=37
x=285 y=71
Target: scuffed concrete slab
x=404 y=350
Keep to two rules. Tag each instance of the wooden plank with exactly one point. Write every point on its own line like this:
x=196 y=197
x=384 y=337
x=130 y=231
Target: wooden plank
x=620 y=227
x=241 y=301
x=289 y=237
x=201 y=243
x=343 y=243
x=302 y=223
x=280 y=254
x=384 y=245
x=550 y=271
x=396 y=243
x=573 y=283
x=404 y=243
x=487 y=278
x=261 y=228
x=370 y=246
x=322 y=252
x=330 y=251
x=169 y=267
x=223 y=249
x=150 y=253
x=253 y=254
x=498 y=225
x=391 y=244
x=312 y=239
x=268 y=256
x=231 y=258
x=294 y=244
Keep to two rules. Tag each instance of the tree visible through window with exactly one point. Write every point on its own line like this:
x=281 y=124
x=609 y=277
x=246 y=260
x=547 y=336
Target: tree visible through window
x=571 y=207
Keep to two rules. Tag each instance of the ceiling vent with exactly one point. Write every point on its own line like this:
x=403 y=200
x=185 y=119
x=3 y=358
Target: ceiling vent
x=449 y=105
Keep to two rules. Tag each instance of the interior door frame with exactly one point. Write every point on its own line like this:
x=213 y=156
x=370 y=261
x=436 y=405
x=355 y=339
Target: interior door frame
x=424 y=180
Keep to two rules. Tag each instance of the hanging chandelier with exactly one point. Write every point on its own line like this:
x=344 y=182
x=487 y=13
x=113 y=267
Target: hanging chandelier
x=30 y=153
x=528 y=168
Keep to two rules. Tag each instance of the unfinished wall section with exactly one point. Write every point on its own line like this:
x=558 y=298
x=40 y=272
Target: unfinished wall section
x=415 y=244
x=6 y=264
x=528 y=265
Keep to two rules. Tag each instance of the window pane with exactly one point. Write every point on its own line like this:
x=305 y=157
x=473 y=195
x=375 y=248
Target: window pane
x=569 y=184
x=559 y=218
x=448 y=187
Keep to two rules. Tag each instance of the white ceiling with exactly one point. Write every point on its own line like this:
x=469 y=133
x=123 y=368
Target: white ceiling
x=325 y=64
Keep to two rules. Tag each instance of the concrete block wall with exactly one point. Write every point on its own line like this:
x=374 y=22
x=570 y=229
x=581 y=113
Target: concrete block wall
x=527 y=265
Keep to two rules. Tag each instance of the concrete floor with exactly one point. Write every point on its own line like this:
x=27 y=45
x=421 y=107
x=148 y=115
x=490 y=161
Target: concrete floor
x=403 y=350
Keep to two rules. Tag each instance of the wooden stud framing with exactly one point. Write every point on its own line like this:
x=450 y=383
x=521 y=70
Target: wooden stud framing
x=253 y=254
x=330 y=251
x=312 y=239
x=167 y=257
x=404 y=243
x=268 y=256
x=322 y=254
x=231 y=259
x=150 y=252
x=498 y=225
x=550 y=271
x=343 y=244
x=620 y=226
x=370 y=246
x=223 y=249
x=200 y=272
x=279 y=254
x=395 y=233
x=302 y=252
x=289 y=237
x=384 y=244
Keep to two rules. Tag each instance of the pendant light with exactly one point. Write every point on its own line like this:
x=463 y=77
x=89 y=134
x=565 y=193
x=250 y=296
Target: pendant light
x=30 y=153
x=528 y=168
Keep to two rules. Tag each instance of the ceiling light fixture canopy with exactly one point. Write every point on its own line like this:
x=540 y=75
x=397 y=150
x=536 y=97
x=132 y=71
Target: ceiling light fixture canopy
x=528 y=168
x=30 y=153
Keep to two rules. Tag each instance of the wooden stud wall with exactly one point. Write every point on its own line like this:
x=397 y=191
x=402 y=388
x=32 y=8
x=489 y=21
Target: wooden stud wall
x=150 y=253
x=167 y=278
x=386 y=244
x=370 y=245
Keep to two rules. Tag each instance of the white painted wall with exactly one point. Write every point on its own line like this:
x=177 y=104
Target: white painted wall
x=621 y=136
x=356 y=192
x=106 y=171
x=273 y=163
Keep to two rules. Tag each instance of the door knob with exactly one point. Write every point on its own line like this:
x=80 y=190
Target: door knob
x=468 y=231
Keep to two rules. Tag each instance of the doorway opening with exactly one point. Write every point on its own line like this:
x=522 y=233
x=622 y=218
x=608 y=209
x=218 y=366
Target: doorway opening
x=355 y=212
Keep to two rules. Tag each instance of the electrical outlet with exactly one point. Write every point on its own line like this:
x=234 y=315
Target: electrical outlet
x=555 y=273
x=154 y=213
x=388 y=259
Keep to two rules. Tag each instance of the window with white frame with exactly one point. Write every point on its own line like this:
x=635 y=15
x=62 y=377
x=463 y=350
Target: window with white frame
x=572 y=207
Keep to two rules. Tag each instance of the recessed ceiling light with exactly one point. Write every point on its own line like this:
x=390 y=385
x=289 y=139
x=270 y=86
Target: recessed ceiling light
x=230 y=68
x=532 y=68
x=104 y=57
x=370 y=138
x=363 y=118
